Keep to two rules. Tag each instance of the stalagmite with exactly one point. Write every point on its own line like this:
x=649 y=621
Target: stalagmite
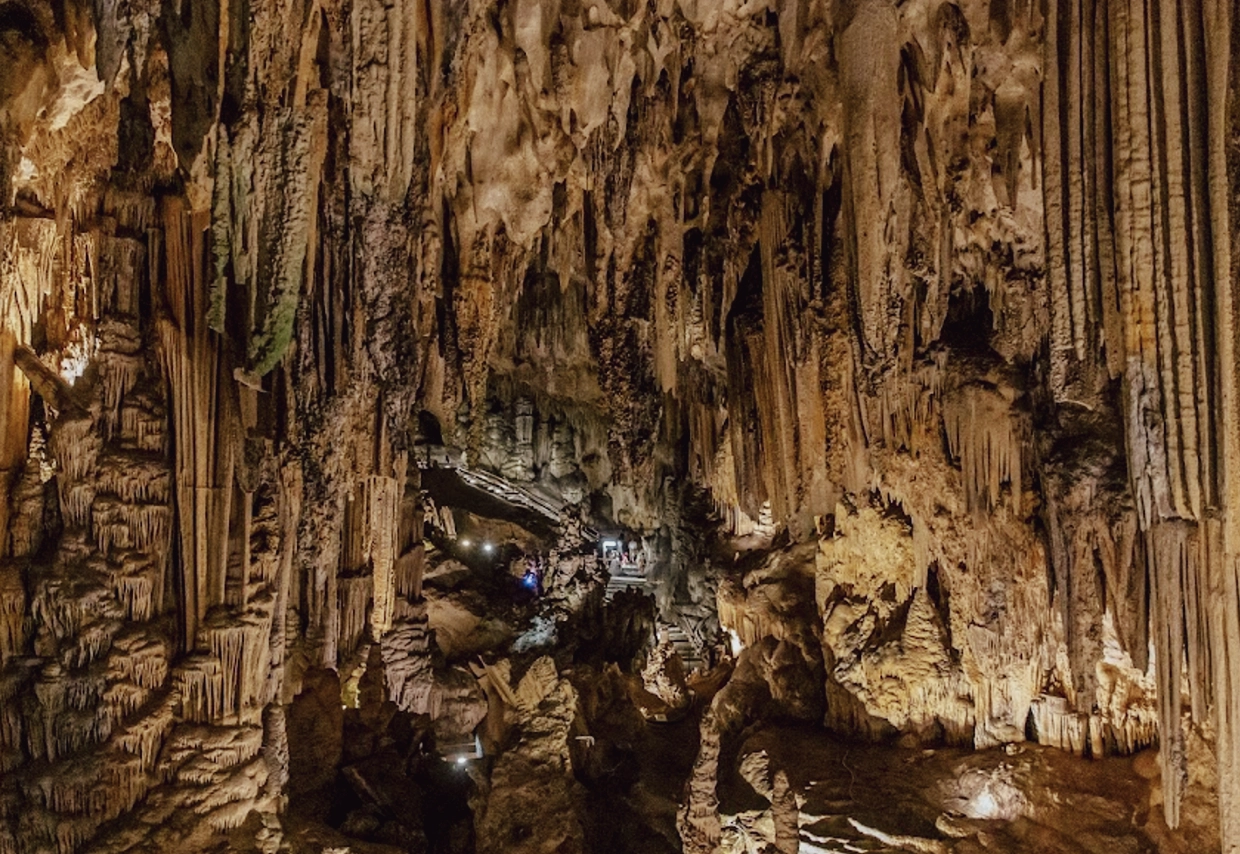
x=896 y=339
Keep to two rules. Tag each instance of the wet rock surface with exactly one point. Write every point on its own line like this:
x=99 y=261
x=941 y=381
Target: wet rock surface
x=839 y=795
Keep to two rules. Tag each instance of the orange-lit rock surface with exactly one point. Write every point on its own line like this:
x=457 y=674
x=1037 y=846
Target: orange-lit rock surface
x=891 y=346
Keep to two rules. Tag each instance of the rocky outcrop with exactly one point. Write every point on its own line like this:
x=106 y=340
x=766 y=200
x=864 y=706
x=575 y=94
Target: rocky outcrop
x=664 y=674
x=943 y=290
x=532 y=803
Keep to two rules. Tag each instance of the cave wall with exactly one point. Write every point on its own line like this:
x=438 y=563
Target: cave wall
x=954 y=280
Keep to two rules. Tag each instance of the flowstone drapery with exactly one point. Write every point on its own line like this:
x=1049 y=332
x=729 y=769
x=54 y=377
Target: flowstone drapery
x=953 y=283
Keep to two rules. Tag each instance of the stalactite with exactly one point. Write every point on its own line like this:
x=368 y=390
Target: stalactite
x=201 y=417
x=1165 y=65
x=119 y=374
x=143 y=423
x=133 y=481
x=356 y=596
x=1126 y=703
x=201 y=684
x=914 y=190
x=240 y=645
x=119 y=266
x=408 y=572
x=272 y=172
x=1172 y=556
x=75 y=503
x=382 y=499
x=980 y=434
x=76 y=447
x=12 y=737
x=119 y=526
x=141 y=659
x=91 y=642
x=137 y=594
x=869 y=45
x=12 y=613
x=62 y=607
x=25 y=523
x=1055 y=724
x=77 y=790
x=145 y=737
x=907 y=407
x=14 y=418
x=70 y=834
x=203 y=754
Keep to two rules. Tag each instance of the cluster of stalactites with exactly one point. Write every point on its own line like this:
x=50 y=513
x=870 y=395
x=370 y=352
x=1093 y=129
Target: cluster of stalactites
x=1140 y=267
x=982 y=436
x=93 y=703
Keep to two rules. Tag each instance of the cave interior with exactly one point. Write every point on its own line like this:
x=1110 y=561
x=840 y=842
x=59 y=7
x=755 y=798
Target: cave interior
x=626 y=426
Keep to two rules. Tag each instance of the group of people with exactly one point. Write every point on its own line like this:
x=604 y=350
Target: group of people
x=634 y=558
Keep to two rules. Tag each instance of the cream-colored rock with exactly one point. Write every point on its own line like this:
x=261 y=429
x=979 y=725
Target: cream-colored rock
x=972 y=261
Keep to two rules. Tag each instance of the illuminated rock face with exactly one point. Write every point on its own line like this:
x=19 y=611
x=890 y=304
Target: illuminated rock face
x=942 y=294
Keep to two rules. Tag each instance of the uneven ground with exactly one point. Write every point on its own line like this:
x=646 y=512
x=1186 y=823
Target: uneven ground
x=1023 y=800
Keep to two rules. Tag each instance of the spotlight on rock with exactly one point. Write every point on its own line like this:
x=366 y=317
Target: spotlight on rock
x=984 y=805
x=460 y=752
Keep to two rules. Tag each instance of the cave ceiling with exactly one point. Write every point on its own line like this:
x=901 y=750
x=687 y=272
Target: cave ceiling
x=891 y=345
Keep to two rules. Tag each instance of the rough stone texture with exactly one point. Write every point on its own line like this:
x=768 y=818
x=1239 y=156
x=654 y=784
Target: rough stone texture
x=1023 y=798
x=947 y=288
x=664 y=676
x=315 y=722
x=534 y=804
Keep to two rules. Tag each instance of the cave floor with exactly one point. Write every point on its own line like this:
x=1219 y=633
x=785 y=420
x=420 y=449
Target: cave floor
x=1025 y=799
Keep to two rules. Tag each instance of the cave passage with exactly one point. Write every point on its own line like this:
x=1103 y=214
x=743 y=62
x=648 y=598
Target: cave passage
x=639 y=426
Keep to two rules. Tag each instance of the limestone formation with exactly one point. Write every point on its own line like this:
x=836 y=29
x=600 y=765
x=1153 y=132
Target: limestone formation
x=895 y=341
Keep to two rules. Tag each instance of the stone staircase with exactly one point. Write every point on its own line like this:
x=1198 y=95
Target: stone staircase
x=688 y=652
x=616 y=583
x=519 y=495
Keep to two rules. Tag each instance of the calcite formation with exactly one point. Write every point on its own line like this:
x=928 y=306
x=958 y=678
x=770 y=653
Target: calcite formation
x=899 y=339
